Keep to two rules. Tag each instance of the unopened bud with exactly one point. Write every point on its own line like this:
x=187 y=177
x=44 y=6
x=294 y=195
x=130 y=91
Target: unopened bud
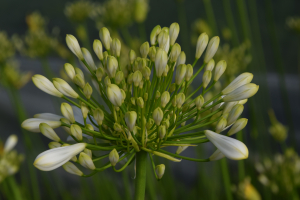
x=160 y=170
x=189 y=72
x=156 y=30
x=180 y=99
x=137 y=78
x=90 y=127
x=84 y=110
x=119 y=77
x=180 y=74
x=98 y=116
x=235 y=113
x=114 y=95
x=164 y=40
x=212 y=48
x=132 y=56
x=112 y=66
x=87 y=91
x=64 y=88
x=161 y=60
x=181 y=58
x=174 y=32
x=239 y=81
x=175 y=52
x=107 y=81
x=69 y=70
x=72 y=169
x=238 y=126
x=113 y=157
x=172 y=87
x=98 y=49
x=88 y=58
x=74 y=46
x=206 y=78
x=67 y=112
x=105 y=37
x=118 y=127
x=166 y=71
x=221 y=125
x=180 y=149
x=76 y=131
x=199 y=102
x=158 y=115
x=86 y=161
x=130 y=119
x=174 y=101
x=220 y=69
x=146 y=72
x=201 y=45
x=47 y=131
x=53 y=145
x=210 y=65
x=144 y=49
x=116 y=47
x=140 y=102
x=152 y=53
x=161 y=131
x=243 y=92
x=78 y=80
x=165 y=98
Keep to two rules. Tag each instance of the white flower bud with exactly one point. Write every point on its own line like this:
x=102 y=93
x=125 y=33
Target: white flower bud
x=86 y=161
x=180 y=99
x=201 y=45
x=158 y=115
x=70 y=71
x=88 y=152
x=206 y=78
x=174 y=32
x=160 y=170
x=220 y=69
x=165 y=98
x=53 y=145
x=132 y=56
x=107 y=81
x=33 y=124
x=217 y=155
x=161 y=60
x=164 y=40
x=189 y=72
x=78 y=80
x=72 y=169
x=112 y=66
x=10 y=143
x=48 y=116
x=114 y=95
x=180 y=74
x=98 y=116
x=76 y=131
x=119 y=77
x=45 y=85
x=175 y=52
x=156 y=30
x=211 y=48
x=116 y=47
x=244 y=92
x=228 y=106
x=242 y=79
x=231 y=148
x=199 y=102
x=238 y=126
x=74 y=46
x=47 y=131
x=174 y=102
x=243 y=101
x=64 y=88
x=146 y=72
x=123 y=95
x=180 y=149
x=137 y=78
x=161 y=131
x=152 y=53
x=130 y=119
x=105 y=37
x=84 y=110
x=144 y=49
x=113 y=157
x=221 y=125
x=87 y=91
x=235 y=113
x=140 y=102
x=98 y=49
x=54 y=158
x=67 y=112
x=89 y=59
x=210 y=65
x=166 y=71
x=181 y=58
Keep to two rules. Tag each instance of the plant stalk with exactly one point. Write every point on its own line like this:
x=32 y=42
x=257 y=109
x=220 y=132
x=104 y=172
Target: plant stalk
x=140 y=182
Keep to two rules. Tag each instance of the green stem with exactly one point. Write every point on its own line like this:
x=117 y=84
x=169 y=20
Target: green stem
x=210 y=15
x=226 y=179
x=230 y=21
x=241 y=164
x=140 y=182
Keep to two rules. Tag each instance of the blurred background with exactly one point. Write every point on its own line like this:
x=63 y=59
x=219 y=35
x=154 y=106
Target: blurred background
x=261 y=37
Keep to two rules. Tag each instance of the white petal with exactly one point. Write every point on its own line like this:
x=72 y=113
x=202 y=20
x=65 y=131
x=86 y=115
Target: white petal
x=48 y=116
x=10 y=143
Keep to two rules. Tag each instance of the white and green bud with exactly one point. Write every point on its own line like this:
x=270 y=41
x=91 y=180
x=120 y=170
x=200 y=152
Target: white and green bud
x=47 y=131
x=220 y=69
x=107 y=81
x=239 y=81
x=199 y=102
x=165 y=98
x=67 y=112
x=64 y=88
x=161 y=132
x=74 y=46
x=53 y=145
x=113 y=157
x=189 y=72
x=172 y=87
x=78 y=80
x=212 y=48
x=180 y=74
x=70 y=71
x=175 y=52
x=144 y=49
x=90 y=127
x=157 y=94
x=76 y=131
x=130 y=119
x=244 y=92
x=228 y=106
x=221 y=125
x=84 y=110
x=166 y=71
x=243 y=101
x=137 y=78
x=88 y=152
x=98 y=49
x=45 y=85
x=174 y=101
x=119 y=77
x=146 y=96
x=201 y=45
x=235 y=113
x=206 y=78
x=86 y=161
x=156 y=30
x=174 y=32
x=72 y=169
x=158 y=116
x=132 y=56
x=181 y=58
x=239 y=125
x=180 y=99
x=87 y=91
x=98 y=116
x=116 y=47
x=105 y=37
x=112 y=66
x=140 y=102
x=149 y=123
x=166 y=123
x=118 y=127
x=146 y=72
x=164 y=40
x=67 y=129
x=161 y=60
x=88 y=58
x=180 y=149
x=114 y=95
x=210 y=65
x=152 y=53
x=160 y=170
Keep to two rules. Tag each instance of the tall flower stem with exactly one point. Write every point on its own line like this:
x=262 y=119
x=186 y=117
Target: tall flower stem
x=230 y=21
x=210 y=15
x=241 y=164
x=140 y=182
x=226 y=179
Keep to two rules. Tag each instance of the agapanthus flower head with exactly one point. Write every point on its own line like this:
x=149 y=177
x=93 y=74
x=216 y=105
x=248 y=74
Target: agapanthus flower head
x=145 y=110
